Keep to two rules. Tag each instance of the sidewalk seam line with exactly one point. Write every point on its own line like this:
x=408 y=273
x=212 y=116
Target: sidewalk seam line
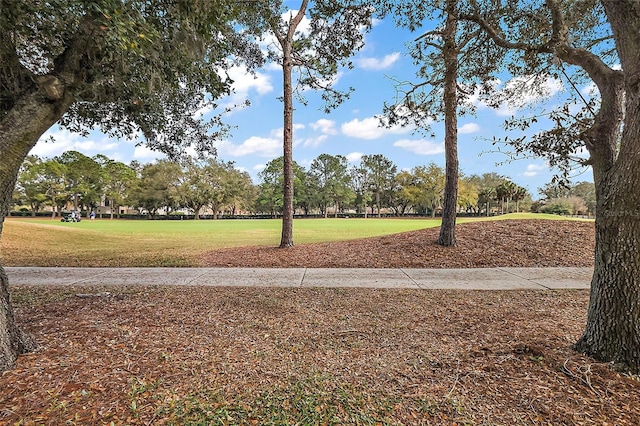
x=102 y=271
x=205 y=271
x=304 y=274
x=527 y=279
x=411 y=278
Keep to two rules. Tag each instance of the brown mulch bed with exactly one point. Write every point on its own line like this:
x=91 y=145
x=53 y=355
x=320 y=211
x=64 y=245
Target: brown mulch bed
x=500 y=243
x=309 y=356
x=228 y=356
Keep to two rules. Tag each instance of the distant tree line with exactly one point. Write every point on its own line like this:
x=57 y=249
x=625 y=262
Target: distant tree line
x=329 y=186
x=577 y=199
x=211 y=187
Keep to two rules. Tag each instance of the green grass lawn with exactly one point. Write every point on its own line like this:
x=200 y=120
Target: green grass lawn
x=105 y=242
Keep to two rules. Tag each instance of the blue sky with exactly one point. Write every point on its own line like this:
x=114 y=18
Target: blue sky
x=352 y=129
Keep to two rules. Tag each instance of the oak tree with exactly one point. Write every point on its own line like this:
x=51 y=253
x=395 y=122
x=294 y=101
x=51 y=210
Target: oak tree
x=140 y=67
x=594 y=38
x=380 y=173
x=331 y=180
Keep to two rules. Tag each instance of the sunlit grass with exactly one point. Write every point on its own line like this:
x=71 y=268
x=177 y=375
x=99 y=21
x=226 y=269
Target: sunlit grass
x=104 y=242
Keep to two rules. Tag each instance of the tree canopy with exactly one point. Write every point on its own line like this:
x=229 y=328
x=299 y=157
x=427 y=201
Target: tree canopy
x=130 y=68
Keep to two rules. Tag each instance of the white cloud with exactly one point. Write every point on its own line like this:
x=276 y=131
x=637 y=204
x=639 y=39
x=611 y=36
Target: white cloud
x=528 y=91
x=259 y=167
x=314 y=141
x=65 y=140
x=304 y=26
x=203 y=111
x=506 y=111
x=534 y=169
x=255 y=145
x=328 y=127
x=354 y=157
x=270 y=43
x=370 y=128
x=469 y=128
x=273 y=66
x=375 y=64
x=420 y=147
x=549 y=87
x=475 y=98
x=244 y=84
x=518 y=93
x=143 y=153
x=590 y=89
x=326 y=82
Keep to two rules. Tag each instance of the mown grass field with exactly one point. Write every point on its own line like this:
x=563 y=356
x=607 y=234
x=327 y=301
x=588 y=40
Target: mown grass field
x=105 y=242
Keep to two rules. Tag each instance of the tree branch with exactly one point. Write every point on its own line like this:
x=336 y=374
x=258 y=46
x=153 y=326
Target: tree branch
x=293 y=24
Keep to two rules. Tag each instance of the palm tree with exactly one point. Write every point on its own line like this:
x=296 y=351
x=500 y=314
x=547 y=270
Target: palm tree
x=519 y=194
x=505 y=192
x=485 y=195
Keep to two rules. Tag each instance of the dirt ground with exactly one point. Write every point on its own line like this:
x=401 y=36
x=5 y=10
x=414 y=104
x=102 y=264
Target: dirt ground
x=190 y=355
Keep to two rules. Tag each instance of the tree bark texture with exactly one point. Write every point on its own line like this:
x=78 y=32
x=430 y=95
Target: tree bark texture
x=286 y=42
x=38 y=105
x=450 y=51
x=286 y=239
x=20 y=130
x=612 y=332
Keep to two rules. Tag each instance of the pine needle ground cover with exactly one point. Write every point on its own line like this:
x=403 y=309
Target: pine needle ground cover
x=236 y=356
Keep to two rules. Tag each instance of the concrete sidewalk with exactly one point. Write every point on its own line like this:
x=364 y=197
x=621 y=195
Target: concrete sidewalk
x=468 y=279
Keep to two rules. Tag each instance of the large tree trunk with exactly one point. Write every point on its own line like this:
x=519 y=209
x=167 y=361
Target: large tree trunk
x=13 y=341
x=20 y=130
x=450 y=51
x=612 y=332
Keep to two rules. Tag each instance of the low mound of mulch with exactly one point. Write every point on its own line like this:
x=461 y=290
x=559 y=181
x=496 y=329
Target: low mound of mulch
x=502 y=243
